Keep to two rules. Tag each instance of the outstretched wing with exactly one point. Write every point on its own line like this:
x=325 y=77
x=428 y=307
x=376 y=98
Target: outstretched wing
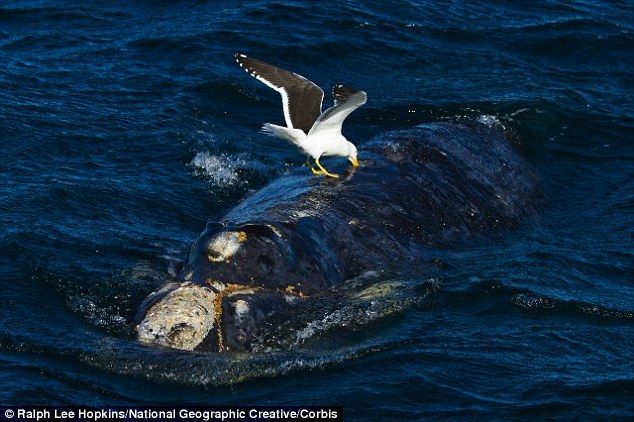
x=347 y=100
x=341 y=93
x=301 y=99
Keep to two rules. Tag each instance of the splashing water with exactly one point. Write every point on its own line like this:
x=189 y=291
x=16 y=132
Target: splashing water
x=224 y=170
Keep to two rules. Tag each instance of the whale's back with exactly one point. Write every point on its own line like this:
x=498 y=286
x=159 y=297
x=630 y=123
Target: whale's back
x=418 y=191
x=438 y=183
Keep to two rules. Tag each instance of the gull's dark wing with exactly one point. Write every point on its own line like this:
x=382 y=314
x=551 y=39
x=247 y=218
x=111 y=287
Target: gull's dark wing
x=301 y=98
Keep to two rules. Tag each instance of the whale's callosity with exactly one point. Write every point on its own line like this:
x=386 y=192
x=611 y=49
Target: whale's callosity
x=418 y=192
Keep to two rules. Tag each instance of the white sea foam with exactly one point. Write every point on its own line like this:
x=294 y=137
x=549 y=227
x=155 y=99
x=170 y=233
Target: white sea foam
x=489 y=120
x=224 y=169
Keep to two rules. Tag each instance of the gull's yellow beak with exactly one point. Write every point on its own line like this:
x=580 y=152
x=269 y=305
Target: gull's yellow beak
x=354 y=162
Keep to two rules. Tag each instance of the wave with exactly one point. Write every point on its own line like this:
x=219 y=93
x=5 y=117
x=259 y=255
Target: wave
x=486 y=297
x=312 y=340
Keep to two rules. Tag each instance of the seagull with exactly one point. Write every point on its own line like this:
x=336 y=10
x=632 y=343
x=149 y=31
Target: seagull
x=317 y=134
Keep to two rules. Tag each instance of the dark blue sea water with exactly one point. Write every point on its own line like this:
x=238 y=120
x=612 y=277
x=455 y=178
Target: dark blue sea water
x=125 y=128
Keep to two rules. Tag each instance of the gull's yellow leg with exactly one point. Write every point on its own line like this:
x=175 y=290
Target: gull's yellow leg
x=324 y=171
x=312 y=169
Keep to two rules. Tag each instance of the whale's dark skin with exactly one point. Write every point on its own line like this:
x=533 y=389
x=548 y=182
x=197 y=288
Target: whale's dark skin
x=418 y=192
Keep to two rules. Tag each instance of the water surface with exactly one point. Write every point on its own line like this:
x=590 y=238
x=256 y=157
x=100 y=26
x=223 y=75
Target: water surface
x=124 y=129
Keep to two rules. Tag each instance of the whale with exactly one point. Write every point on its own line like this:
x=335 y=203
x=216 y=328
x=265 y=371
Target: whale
x=418 y=193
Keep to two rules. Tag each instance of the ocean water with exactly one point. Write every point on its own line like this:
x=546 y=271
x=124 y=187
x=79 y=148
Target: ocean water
x=125 y=128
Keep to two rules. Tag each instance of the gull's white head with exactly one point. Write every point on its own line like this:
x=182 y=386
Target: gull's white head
x=352 y=154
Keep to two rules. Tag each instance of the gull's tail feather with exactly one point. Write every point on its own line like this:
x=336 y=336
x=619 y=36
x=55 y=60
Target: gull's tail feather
x=295 y=136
